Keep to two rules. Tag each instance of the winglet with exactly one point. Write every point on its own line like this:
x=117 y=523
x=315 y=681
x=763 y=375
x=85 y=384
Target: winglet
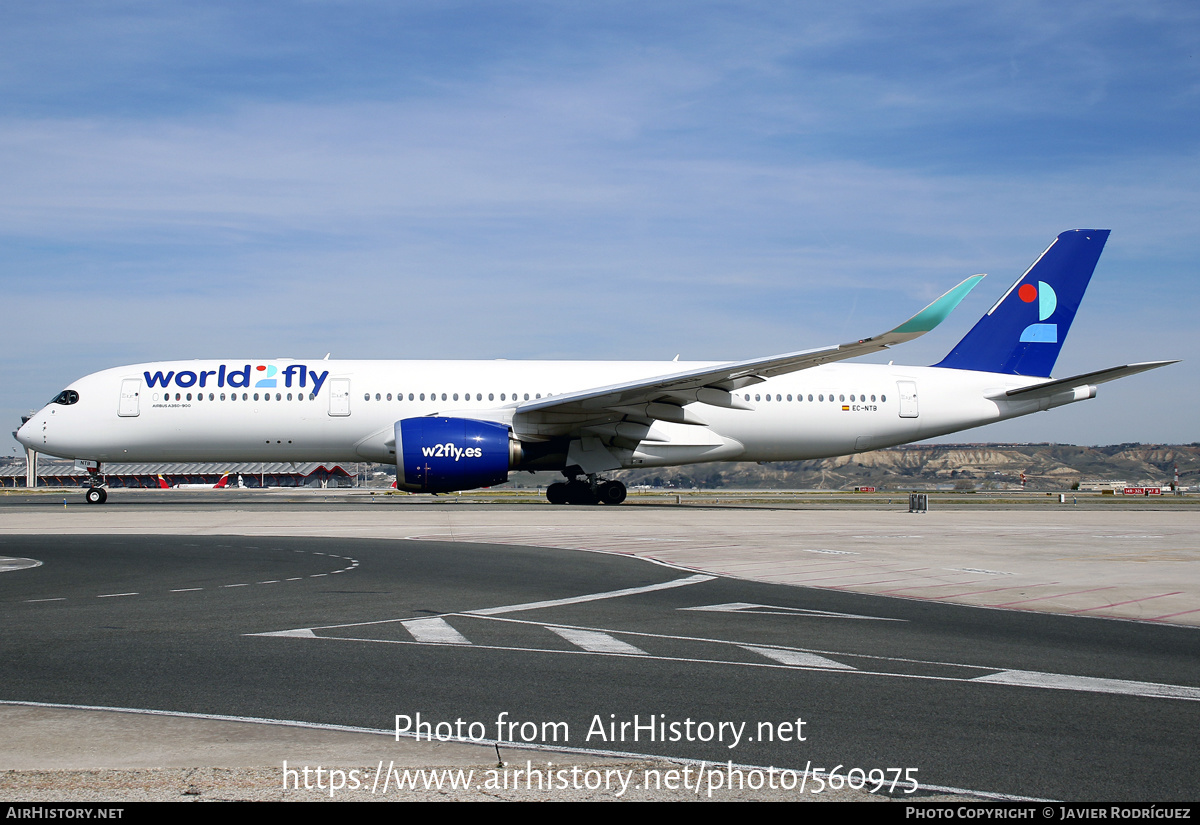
x=929 y=317
x=935 y=313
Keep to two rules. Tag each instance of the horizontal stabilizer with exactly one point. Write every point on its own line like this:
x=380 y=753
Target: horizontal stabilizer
x=1088 y=378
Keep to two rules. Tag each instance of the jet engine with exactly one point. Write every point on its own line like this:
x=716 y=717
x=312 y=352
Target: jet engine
x=441 y=455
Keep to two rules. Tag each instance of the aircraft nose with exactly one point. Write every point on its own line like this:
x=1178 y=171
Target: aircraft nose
x=27 y=434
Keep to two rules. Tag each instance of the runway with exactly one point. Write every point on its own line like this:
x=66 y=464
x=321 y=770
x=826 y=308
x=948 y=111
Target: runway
x=241 y=611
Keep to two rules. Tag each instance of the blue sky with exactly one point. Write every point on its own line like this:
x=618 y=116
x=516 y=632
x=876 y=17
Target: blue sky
x=599 y=180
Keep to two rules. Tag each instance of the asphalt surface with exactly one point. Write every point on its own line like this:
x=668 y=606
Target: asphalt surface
x=354 y=632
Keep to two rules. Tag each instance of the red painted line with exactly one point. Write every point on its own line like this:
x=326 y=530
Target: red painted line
x=1054 y=595
x=823 y=578
x=977 y=592
x=930 y=586
x=1131 y=601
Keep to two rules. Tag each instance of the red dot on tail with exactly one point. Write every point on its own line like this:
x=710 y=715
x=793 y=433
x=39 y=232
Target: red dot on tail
x=1027 y=293
x=260 y=367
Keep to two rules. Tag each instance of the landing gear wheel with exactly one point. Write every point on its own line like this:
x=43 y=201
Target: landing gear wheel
x=96 y=495
x=611 y=492
x=556 y=493
x=580 y=492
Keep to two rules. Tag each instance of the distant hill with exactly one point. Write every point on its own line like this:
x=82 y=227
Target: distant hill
x=952 y=466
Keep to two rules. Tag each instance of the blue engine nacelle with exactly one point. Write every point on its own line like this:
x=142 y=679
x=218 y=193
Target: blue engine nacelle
x=441 y=455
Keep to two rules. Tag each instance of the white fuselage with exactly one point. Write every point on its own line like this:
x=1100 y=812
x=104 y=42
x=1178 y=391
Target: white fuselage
x=824 y=411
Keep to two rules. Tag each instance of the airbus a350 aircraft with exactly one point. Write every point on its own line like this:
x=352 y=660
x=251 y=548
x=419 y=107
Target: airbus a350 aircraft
x=460 y=425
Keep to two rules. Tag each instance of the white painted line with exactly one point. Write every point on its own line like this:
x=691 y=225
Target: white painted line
x=58 y=599
x=243 y=584
x=591 y=597
x=435 y=631
x=186 y=590
x=114 y=595
x=8 y=564
x=302 y=633
x=775 y=610
x=595 y=642
x=797 y=657
x=1090 y=684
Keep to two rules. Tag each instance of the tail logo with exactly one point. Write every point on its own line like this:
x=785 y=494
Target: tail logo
x=268 y=378
x=1047 y=301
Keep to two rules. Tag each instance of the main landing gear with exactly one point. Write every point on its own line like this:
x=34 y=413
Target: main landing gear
x=96 y=495
x=586 y=491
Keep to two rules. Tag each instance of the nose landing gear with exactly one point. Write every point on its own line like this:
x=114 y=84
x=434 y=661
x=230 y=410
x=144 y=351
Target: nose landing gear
x=96 y=494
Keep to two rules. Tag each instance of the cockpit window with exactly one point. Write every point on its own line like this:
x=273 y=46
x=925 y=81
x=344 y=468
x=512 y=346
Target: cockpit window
x=66 y=398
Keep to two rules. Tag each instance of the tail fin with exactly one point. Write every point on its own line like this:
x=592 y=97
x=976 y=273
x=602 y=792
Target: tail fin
x=220 y=485
x=162 y=483
x=1023 y=332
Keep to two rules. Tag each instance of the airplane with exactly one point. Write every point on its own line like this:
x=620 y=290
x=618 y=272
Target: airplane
x=222 y=484
x=462 y=425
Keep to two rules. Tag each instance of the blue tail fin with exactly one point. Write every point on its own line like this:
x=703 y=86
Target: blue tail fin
x=1023 y=332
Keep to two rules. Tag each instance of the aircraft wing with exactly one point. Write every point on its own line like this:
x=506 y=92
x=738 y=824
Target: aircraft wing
x=663 y=397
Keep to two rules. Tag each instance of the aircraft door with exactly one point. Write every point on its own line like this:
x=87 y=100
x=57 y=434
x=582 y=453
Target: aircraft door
x=908 y=398
x=339 y=396
x=131 y=388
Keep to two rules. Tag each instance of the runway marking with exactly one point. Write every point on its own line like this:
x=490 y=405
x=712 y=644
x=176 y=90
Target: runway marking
x=773 y=610
x=352 y=566
x=1090 y=684
x=590 y=597
x=796 y=657
x=595 y=642
x=7 y=564
x=435 y=631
